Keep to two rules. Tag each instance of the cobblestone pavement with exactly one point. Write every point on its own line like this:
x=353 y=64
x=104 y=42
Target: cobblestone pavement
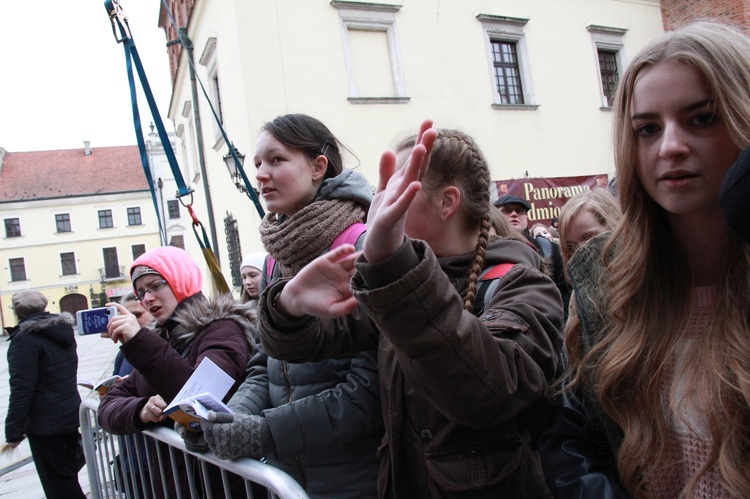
x=96 y=357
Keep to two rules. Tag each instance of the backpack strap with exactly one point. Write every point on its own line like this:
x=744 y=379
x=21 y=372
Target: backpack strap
x=270 y=265
x=350 y=235
x=489 y=280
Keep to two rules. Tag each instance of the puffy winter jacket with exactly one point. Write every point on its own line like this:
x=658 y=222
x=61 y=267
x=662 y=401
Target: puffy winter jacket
x=220 y=329
x=43 y=364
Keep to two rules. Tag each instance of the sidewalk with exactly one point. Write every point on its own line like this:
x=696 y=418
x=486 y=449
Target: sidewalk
x=96 y=356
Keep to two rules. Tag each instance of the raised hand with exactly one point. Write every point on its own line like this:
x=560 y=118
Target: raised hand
x=321 y=288
x=396 y=191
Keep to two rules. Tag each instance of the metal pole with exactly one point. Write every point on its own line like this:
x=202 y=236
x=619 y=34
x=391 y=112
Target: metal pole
x=188 y=44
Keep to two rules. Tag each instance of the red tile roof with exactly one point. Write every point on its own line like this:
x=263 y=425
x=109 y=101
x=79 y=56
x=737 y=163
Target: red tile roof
x=69 y=172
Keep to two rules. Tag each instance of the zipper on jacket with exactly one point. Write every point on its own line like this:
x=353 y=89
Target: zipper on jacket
x=285 y=370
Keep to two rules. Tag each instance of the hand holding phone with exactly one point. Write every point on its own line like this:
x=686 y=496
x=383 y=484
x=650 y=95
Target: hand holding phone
x=124 y=326
x=94 y=320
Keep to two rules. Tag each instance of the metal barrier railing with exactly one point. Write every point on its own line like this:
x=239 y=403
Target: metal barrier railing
x=126 y=466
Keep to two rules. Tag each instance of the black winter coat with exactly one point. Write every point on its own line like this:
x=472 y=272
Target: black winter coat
x=43 y=365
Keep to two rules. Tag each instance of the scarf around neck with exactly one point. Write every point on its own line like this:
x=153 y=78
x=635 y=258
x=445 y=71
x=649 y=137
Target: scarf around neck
x=299 y=239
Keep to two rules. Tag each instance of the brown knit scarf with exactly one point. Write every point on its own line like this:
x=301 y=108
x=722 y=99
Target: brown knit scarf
x=308 y=233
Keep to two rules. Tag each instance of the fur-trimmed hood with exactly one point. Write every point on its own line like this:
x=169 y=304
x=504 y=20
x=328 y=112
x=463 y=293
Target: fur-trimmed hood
x=58 y=328
x=195 y=313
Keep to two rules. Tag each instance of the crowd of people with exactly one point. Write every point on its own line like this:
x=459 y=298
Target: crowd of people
x=425 y=341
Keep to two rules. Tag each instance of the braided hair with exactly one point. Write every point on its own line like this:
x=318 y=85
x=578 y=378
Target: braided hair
x=457 y=160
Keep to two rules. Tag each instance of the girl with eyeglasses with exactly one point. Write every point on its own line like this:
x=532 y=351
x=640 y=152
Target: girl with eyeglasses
x=189 y=328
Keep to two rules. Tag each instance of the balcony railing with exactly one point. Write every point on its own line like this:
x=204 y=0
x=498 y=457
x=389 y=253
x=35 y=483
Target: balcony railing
x=112 y=273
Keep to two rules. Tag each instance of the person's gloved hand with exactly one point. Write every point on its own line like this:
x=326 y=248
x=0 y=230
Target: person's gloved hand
x=194 y=441
x=233 y=435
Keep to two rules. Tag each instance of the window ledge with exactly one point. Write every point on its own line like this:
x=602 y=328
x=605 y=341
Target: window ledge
x=605 y=108
x=384 y=7
x=378 y=100
x=516 y=107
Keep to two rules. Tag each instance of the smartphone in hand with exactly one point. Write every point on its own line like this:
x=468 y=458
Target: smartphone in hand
x=94 y=320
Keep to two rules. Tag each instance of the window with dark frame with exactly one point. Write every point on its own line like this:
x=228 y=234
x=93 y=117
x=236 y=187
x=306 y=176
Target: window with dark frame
x=63 y=222
x=173 y=207
x=138 y=250
x=134 y=216
x=610 y=76
x=177 y=242
x=233 y=245
x=507 y=72
x=105 y=219
x=17 y=269
x=111 y=263
x=68 y=262
x=12 y=227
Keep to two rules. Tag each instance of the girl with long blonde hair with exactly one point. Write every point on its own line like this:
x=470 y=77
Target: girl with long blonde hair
x=584 y=216
x=658 y=404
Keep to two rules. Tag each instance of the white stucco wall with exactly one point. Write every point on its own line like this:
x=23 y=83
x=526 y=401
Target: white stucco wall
x=277 y=57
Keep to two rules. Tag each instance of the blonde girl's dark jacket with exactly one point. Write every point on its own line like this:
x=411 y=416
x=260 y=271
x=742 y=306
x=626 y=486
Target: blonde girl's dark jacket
x=454 y=387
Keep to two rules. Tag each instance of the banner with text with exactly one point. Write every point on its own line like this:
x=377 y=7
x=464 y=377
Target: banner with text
x=547 y=195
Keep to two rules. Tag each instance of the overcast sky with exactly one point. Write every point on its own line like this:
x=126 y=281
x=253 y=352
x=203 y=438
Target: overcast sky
x=63 y=78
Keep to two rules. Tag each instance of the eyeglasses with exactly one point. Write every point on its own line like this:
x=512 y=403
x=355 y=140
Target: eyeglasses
x=153 y=289
x=507 y=209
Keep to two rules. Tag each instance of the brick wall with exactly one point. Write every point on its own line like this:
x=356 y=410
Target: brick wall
x=181 y=10
x=676 y=13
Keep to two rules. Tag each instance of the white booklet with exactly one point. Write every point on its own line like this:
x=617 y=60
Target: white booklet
x=203 y=391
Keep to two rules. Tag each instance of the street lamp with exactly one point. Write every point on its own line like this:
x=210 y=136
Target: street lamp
x=234 y=172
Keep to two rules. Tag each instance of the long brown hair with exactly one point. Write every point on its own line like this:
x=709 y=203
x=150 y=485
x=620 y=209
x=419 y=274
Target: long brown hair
x=650 y=282
x=457 y=160
x=309 y=135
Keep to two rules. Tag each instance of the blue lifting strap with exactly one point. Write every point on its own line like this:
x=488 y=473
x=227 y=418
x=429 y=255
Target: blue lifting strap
x=120 y=24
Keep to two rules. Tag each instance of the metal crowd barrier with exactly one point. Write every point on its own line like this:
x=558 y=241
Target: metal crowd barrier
x=118 y=464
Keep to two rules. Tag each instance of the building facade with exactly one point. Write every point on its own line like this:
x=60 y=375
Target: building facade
x=74 y=220
x=530 y=80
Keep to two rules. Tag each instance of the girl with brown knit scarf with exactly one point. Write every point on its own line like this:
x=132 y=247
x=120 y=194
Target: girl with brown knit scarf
x=457 y=388
x=318 y=420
